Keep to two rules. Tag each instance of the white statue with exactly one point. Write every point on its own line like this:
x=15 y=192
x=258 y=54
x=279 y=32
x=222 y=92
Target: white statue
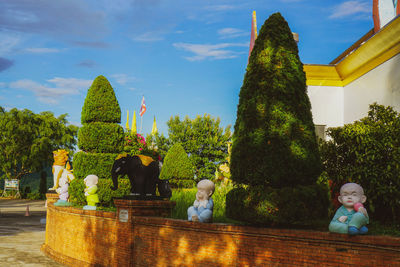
x=202 y=209
x=60 y=158
x=62 y=190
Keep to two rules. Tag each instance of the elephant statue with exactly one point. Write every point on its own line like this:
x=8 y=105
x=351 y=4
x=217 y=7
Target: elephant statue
x=143 y=173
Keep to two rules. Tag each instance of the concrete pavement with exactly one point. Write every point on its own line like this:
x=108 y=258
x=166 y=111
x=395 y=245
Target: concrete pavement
x=21 y=236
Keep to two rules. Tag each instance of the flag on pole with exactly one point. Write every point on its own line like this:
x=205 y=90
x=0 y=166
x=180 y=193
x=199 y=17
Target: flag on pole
x=127 y=120
x=142 y=108
x=154 y=129
x=253 y=35
x=133 y=130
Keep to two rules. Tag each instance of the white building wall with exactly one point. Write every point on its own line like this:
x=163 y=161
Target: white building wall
x=381 y=85
x=326 y=105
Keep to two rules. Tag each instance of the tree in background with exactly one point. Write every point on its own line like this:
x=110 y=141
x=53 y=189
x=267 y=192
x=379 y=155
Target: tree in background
x=274 y=148
x=178 y=168
x=101 y=137
x=203 y=139
x=27 y=140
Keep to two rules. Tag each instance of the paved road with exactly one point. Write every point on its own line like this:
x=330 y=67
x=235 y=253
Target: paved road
x=21 y=236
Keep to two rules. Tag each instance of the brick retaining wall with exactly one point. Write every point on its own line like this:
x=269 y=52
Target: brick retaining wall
x=89 y=238
x=79 y=237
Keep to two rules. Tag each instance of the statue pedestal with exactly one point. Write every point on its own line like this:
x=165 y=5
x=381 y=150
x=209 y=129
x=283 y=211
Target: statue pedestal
x=127 y=209
x=51 y=198
x=158 y=208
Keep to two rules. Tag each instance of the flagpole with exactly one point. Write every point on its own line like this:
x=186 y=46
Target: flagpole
x=142 y=111
x=141 y=120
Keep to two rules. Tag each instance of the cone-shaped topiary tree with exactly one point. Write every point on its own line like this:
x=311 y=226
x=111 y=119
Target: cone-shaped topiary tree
x=274 y=142
x=177 y=167
x=274 y=148
x=101 y=105
x=101 y=137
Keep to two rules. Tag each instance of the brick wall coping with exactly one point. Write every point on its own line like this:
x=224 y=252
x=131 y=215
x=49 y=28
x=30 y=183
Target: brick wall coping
x=387 y=243
x=143 y=203
x=74 y=210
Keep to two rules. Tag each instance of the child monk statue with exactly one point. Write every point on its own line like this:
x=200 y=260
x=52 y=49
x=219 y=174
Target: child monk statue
x=202 y=209
x=90 y=192
x=352 y=217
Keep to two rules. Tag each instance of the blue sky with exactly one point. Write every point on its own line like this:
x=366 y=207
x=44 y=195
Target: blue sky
x=187 y=57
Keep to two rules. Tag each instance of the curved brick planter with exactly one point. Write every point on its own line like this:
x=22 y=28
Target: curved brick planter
x=93 y=238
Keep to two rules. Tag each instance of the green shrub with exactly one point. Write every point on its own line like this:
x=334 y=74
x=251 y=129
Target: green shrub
x=106 y=195
x=101 y=105
x=298 y=205
x=35 y=196
x=101 y=137
x=274 y=142
x=367 y=152
x=177 y=167
x=99 y=164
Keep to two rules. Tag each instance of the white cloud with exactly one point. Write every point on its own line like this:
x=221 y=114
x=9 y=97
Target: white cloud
x=226 y=33
x=203 y=51
x=122 y=78
x=2 y=84
x=42 y=50
x=57 y=88
x=350 y=8
x=149 y=37
x=8 y=43
x=220 y=7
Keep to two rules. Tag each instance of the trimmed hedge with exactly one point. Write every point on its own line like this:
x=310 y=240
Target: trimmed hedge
x=106 y=195
x=101 y=103
x=100 y=133
x=298 y=205
x=99 y=164
x=178 y=168
x=101 y=137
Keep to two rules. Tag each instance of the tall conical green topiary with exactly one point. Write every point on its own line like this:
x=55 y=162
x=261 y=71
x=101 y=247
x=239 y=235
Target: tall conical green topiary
x=100 y=138
x=101 y=105
x=274 y=150
x=177 y=167
x=274 y=142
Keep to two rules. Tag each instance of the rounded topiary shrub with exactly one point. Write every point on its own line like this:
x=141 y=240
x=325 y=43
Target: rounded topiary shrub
x=101 y=137
x=101 y=103
x=106 y=195
x=177 y=167
x=274 y=142
x=93 y=163
x=283 y=206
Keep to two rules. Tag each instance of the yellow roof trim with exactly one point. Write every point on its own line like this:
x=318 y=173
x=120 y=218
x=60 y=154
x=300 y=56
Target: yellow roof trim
x=378 y=49
x=322 y=75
